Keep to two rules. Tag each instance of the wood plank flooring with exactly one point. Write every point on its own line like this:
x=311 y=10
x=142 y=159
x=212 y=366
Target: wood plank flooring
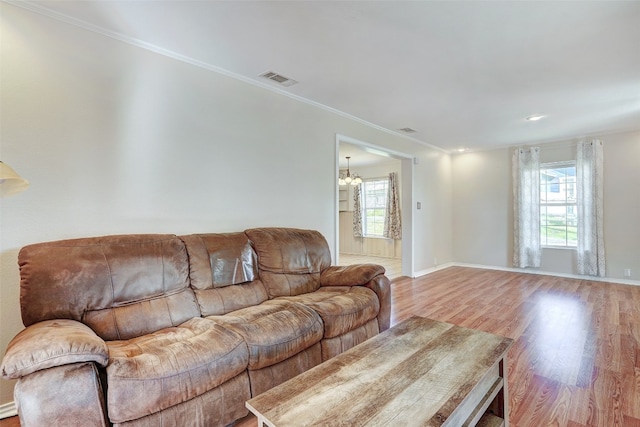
x=576 y=357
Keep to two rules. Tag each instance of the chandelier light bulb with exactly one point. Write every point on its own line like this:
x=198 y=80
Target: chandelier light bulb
x=347 y=178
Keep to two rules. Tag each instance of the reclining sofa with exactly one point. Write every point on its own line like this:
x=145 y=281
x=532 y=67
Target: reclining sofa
x=165 y=330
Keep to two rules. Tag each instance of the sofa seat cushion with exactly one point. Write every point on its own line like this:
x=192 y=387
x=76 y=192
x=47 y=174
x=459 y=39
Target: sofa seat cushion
x=274 y=330
x=342 y=308
x=156 y=371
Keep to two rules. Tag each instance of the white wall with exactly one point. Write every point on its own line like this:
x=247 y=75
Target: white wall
x=116 y=139
x=481 y=214
x=483 y=210
x=433 y=222
x=622 y=204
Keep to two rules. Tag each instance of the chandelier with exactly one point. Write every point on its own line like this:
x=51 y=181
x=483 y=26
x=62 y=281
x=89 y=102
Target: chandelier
x=346 y=179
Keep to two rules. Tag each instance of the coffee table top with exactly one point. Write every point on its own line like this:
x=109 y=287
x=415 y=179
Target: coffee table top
x=416 y=373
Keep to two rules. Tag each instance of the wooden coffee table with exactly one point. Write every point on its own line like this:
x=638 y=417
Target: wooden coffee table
x=421 y=372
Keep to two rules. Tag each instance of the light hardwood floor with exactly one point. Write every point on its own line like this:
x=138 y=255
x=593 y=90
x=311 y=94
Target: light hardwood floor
x=576 y=357
x=393 y=266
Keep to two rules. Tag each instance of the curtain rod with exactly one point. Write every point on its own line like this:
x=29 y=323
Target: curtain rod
x=558 y=146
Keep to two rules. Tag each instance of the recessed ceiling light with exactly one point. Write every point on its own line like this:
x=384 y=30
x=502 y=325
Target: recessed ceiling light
x=461 y=150
x=534 y=118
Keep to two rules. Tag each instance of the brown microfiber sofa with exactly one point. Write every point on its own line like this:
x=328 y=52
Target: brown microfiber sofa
x=165 y=330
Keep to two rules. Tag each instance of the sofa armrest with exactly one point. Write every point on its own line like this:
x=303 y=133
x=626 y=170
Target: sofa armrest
x=351 y=275
x=52 y=343
x=381 y=285
x=369 y=275
x=62 y=396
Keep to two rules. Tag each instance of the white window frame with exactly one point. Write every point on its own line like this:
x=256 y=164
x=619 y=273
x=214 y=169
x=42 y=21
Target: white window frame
x=365 y=207
x=568 y=204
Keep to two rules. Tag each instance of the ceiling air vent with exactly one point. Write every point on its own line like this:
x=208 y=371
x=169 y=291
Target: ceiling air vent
x=278 y=78
x=407 y=130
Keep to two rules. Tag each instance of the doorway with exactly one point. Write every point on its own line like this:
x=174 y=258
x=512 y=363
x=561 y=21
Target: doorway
x=373 y=163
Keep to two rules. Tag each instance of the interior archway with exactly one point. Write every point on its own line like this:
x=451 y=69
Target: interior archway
x=363 y=155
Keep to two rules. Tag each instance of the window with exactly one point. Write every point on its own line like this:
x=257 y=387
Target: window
x=558 y=219
x=374 y=206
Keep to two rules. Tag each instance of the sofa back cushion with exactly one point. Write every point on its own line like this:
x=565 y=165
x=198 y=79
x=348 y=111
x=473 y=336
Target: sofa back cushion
x=290 y=260
x=223 y=272
x=120 y=286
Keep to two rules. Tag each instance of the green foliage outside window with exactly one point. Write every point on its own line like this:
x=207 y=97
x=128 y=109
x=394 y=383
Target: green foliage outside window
x=374 y=206
x=558 y=219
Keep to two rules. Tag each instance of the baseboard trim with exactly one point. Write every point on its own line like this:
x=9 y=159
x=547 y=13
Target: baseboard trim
x=432 y=270
x=8 y=410
x=531 y=271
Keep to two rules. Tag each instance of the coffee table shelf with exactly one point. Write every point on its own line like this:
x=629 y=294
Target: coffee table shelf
x=490 y=420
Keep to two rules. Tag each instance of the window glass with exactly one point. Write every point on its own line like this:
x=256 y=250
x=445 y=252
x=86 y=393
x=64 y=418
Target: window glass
x=558 y=219
x=374 y=207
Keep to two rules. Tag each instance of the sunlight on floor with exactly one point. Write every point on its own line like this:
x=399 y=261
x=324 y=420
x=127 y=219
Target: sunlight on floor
x=393 y=266
x=561 y=330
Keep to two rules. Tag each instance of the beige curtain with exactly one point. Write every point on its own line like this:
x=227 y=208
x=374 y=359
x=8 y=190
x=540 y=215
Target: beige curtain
x=589 y=173
x=526 y=208
x=357 y=212
x=392 y=218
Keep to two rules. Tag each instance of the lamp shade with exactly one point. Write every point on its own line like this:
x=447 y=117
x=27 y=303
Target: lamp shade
x=10 y=181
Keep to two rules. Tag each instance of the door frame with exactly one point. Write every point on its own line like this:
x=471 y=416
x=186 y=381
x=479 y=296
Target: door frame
x=406 y=181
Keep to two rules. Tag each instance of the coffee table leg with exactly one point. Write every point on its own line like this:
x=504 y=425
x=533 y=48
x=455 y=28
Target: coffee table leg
x=500 y=406
x=505 y=391
x=262 y=421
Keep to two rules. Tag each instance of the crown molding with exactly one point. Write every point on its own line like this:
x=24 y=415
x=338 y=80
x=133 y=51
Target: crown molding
x=42 y=10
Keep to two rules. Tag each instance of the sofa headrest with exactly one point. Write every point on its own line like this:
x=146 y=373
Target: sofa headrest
x=290 y=250
x=224 y=272
x=72 y=278
x=290 y=260
x=220 y=259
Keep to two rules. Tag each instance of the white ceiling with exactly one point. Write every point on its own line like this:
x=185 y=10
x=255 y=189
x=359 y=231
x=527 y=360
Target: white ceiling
x=361 y=156
x=461 y=73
